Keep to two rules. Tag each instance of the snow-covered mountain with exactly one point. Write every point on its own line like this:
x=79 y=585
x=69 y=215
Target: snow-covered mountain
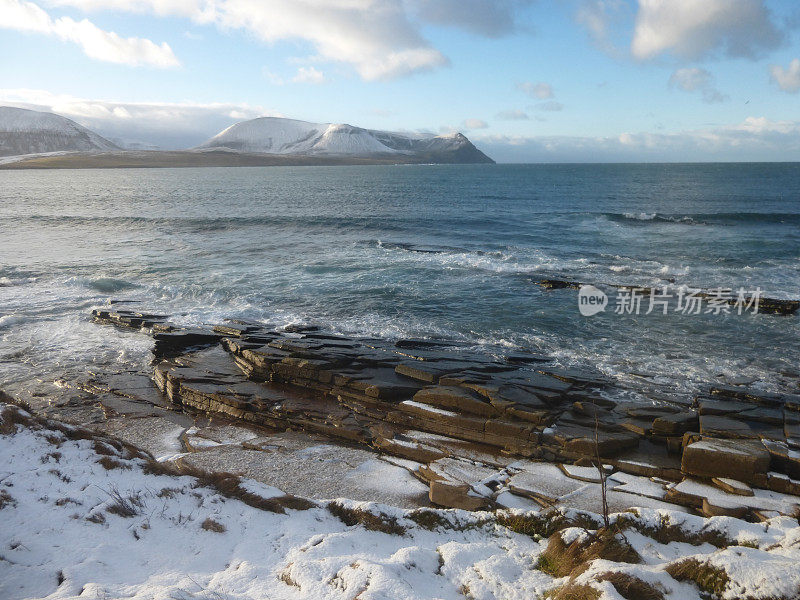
x=273 y=135
x=31 y=132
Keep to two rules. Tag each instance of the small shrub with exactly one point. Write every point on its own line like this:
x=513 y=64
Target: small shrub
x=710 y=579
x=630 y=587
x=123 y=506
x=96 y=518
x=211 y=525
x=358 y=516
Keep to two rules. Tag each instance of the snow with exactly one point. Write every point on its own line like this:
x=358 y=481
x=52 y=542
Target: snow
x=273 y=135
x=428 y=408
x=25 y=132
x=63 y=540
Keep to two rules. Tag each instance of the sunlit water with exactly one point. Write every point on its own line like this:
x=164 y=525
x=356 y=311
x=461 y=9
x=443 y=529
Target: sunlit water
x=423 y=251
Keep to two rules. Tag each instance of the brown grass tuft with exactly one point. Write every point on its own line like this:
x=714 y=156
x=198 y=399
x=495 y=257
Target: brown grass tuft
x=211 y=525
x=573 y=591
x=630 y=587
x=710 y=579
x=109 y=463
x=358 y=516
x=124 y=506
x=543 y=524
x=560 y=559
x=667 y=532
x=429 y=519
x=6 y=499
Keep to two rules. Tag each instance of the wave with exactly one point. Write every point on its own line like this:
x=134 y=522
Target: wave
x=105 y=285
x=729 y=218
x=14 y=281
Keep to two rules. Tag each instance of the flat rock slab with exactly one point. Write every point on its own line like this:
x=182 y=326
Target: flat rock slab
x=736 y=459
x=544 y=482
x=638 y=486
x=691 y=492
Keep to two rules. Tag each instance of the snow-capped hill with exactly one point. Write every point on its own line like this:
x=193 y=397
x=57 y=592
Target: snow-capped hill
x=272 y=135
x=31 y=132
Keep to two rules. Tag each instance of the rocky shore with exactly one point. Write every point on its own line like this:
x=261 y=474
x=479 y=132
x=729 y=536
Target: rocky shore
x=478 y=431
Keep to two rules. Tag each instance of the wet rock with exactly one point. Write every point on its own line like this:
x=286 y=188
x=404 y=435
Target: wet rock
x=725 y=426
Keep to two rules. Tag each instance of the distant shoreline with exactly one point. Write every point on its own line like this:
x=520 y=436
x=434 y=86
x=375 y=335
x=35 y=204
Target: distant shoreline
x=155 y=159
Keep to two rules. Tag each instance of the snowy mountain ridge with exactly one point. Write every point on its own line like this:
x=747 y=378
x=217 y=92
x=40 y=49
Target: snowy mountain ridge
x=25 y=131
x=275 y=135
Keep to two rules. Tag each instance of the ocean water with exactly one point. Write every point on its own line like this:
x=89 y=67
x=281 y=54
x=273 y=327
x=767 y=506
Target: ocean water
x=448 y=252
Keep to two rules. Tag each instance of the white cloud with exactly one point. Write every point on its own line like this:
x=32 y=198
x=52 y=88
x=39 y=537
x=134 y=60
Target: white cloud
x=492 y=18
x=754 y=139
x=601 y=18
x=96 y=43
x=381 y=39
x=168 y=125
x=691 y=29
x=787 y=79
x=309 y=75
x=540 y=90
x=512 y=115
x=550 y=106
x=475 y=124
x=697 y=80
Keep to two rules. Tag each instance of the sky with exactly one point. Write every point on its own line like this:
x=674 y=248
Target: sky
x=525 y=80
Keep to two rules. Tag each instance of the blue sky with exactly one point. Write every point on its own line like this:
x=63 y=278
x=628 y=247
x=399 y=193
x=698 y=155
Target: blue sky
x=527 y=81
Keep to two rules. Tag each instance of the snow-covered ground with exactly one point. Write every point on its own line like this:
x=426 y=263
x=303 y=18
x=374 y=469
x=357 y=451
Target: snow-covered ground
x=85 y=518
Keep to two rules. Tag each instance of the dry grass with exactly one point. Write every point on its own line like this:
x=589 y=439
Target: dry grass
x=710 y=579
x=573 y=591
x=358 y=516
x=543 y=524
x=560 y=559
x=211 y=525
x=124 y=506
x=630 y=587
x=109 y=463
x=6 y=499
x=10 y=417
x=667 y=532
x=429 y=519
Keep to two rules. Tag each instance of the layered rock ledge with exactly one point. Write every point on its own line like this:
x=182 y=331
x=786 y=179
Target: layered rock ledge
x=483 y=431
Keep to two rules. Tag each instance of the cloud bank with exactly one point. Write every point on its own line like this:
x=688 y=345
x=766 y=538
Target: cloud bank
x=166 y=126
x=754 y=139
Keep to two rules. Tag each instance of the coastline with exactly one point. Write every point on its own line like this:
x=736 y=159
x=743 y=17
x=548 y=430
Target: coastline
x=478 y=432
x=163 y=159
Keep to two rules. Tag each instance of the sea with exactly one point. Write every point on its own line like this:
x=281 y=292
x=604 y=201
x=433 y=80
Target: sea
x=438 y=252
